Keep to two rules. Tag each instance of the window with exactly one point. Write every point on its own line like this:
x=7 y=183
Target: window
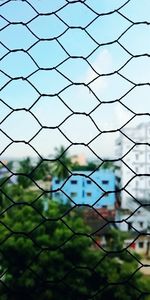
x=105 y=181
x=73 y=181
x=73 y=194
x=57 y=181
x=104 y=206
x=89 y=194
x=83 y=194
x=89 y=182
x=141 y=244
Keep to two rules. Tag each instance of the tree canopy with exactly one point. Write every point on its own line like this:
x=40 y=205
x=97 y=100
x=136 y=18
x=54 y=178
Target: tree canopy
x=62 y=163
x=50 y=254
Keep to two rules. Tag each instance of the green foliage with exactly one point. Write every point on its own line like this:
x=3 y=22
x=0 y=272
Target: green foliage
x=53 y=258
x=89 y=167
x=62 y=164
x=42 y=170
x=115 y=239
x=49 y=254
x=108 y=165
x=25 y=172
x=38 y=247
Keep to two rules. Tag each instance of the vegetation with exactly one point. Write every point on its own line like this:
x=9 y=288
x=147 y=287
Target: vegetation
x=48 y=252
x=91 y=166
x=60 y=167
x=108 y=165
x=50 y=255
x=62 y=164
x=27 y=171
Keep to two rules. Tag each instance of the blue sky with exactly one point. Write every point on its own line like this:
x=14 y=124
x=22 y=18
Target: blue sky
x=69 y=84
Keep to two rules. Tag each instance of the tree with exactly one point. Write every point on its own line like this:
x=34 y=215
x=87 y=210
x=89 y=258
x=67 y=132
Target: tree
x=62 y=164
x=42 y=170
x=91 y=166
x=121 y=265
x=25 y=172
x=28 y=172
x=50 y=255
x=31 y=254
x=108 y=165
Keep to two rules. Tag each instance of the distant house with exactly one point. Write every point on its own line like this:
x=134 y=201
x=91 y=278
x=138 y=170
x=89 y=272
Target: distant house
x=137 y=221
x=100 y=220
x=133 y=146
x=97 y=190
x=140 y=244
x=79 y=160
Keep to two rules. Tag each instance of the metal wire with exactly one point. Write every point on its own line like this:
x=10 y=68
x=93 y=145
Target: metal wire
x=27 y=79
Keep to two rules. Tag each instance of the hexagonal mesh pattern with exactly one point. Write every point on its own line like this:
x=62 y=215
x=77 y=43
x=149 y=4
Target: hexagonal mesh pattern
x=60 y=86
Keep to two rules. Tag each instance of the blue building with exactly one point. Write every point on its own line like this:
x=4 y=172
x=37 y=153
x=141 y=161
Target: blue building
x=97 y=190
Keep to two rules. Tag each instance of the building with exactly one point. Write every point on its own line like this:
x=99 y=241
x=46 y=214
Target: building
x=79 y=159
x=140 y=245
x=97 y=190
x=138 y=221
x=101 y=221
x=133 y=147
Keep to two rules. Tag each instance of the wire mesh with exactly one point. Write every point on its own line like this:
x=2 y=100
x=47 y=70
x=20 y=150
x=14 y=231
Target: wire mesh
x=44 y=47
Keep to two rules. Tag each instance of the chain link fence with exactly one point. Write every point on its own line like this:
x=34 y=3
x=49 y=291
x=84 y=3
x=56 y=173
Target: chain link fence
x=74 y=79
